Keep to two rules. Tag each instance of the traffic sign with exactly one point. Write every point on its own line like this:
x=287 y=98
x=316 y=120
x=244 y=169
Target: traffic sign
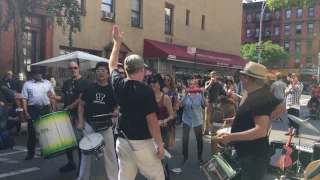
x=259 y=47
x=191 y=50
x=255 y=54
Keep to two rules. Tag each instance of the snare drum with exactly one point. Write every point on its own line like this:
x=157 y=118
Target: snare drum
x=93 y=145
x=55 y=134
x=224 y=130
x=221 y=167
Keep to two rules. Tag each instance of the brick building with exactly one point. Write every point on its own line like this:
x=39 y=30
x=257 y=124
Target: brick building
x=37 y=39
x=297 y=30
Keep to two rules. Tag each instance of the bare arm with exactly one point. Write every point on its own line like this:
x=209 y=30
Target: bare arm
x=53 y=105
x=154 y=128
x=310 y=92
x=279 y=111
x=117 y=40
x=207 y=85
x=259 y=131
x=25 y=105
x=244 y=97
x=206 y=104
x=168 y=104
x=81 y=106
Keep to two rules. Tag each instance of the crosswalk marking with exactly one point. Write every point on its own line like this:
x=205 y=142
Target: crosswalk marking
x=19 y=172
x=8 y=160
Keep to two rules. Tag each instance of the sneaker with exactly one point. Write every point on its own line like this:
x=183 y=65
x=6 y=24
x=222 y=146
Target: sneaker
x=200 y=161
x=184 y=161
x=68 y=167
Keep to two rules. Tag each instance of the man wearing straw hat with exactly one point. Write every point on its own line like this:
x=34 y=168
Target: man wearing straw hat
x=250 y=126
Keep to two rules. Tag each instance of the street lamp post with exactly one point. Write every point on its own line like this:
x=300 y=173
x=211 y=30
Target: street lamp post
x=318 y=68
x=264 y=4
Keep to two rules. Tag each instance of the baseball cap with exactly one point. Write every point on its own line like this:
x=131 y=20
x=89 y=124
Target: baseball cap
x=133 y=62
x=293 y=74
x=213 y=72
x=279 y=76
x=36 y=70
x=9 y=72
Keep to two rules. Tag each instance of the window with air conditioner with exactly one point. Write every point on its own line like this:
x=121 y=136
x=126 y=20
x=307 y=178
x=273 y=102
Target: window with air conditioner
x=257 y=33
x=277 y=14
x=298 y=28
x=288 y=14
x=248 y=32
x=310 y=28
x=299 y=13
x=287 y=46
x=267 y=16
x=136 y=13
x=309 y=62
x=168 y=19
x=266 y=31
x=258 y=16
x=107 y=9
x=276 y=31
x=287 y=30
x=311 y=11
x=248 y=17
x=297 y=46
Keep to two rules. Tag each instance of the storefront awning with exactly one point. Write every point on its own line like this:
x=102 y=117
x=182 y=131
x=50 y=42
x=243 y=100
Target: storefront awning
x=155 y=49
x=286 y=72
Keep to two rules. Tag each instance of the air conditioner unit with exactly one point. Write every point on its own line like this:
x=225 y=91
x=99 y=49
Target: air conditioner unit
x=286 y=33
x=107 y=15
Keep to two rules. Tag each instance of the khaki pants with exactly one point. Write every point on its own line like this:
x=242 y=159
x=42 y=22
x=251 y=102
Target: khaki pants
x=208 y=111
x=143 y=158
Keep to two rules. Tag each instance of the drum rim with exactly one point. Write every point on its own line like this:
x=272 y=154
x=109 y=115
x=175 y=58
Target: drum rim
x=50 y=114
x=98 y=147
x=103 y=141
x=53 y=155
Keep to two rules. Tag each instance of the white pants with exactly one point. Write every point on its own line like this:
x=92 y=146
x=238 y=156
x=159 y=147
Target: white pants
x=109 y=156
x=143 y=158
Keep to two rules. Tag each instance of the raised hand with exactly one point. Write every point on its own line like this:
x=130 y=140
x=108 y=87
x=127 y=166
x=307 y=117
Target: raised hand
x=117 y=35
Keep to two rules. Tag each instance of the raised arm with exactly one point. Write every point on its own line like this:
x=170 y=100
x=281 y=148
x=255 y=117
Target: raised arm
x=117 y=40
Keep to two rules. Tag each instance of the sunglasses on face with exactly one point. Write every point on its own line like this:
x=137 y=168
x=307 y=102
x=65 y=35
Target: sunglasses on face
x=101 y=71
x=73 y=68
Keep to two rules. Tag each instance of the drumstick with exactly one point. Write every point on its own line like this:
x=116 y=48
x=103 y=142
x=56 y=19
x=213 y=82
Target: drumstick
x=86 y=135
x=225 y=122
x=103 y=115
x=237 y=94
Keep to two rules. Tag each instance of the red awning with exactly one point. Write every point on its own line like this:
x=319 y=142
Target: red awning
x=155 y=49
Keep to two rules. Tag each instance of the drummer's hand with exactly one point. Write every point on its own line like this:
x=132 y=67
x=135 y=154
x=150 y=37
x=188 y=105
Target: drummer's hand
x=80 y=126
x=50 y=95
x=160 y=154
x=160 y=122
x=1 y=104
x=27 y=115
x=115 y=114
x=224 y=138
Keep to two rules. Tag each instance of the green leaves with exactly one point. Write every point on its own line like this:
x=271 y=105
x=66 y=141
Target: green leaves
x=270 y=55
x=67 y=12
x=279 y=4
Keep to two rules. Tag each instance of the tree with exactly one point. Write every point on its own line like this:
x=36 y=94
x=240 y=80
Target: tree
x=66 y=12
x=279 y=4
x=270 y=55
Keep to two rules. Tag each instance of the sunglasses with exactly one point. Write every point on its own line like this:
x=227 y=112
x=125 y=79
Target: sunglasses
x=101 y=71
x=153 y=81
x=73 y=68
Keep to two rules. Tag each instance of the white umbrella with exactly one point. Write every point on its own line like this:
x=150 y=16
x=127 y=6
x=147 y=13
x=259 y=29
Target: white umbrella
x=87 y=61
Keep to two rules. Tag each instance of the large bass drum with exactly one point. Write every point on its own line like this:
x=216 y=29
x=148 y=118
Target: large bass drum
x=55 y=134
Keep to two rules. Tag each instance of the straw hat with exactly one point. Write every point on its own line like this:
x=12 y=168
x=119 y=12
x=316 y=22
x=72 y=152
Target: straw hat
x=255 y=70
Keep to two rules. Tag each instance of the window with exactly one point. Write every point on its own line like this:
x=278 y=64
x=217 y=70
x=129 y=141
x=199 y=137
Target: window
x=29 y=56
x=297 y=63
x=266 y=32
x=276 y=31
x=298 y=46
x=298 y=28
x=299 y=13
x=277 y=14
x=248 y=17
x=309 y=62
x=168 y=20
x=311 y=11
x=248 y=32
x=258 y=17
x=287 y=30
x=257 y=32
x=288 y=14
x=136 y=13
x=310 y=28
x=187 y=17
x=309 y=45
x=267 y=16
x=81 y=4
x=106 y=8
x=287 y=46
x=203 y=21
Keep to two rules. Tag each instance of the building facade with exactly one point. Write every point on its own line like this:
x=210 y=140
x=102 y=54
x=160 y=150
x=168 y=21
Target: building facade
x=297 y=30
x=37 y=39
x=153 y=25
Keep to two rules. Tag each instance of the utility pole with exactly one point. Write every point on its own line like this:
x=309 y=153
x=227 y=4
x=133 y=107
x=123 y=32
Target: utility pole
x=318 y=68
x=264 y=5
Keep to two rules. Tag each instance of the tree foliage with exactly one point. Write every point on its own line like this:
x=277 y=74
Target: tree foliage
x=279 y=4
x=270 y=55
x=67 y=13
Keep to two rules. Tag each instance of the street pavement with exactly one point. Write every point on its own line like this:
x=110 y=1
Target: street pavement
x=14 y=167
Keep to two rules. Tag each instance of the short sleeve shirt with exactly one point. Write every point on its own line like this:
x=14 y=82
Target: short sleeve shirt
x=192 y=112
x=244 y=121
x=37 y=92
x=136 y=101
x=215 y=91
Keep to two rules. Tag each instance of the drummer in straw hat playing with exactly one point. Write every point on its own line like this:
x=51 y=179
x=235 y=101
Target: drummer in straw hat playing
x=250 y=126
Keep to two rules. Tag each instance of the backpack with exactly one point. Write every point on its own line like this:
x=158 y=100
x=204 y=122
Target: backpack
x=5 y=140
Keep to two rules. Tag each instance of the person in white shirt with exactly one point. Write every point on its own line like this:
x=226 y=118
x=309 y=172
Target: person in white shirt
x=278 y=88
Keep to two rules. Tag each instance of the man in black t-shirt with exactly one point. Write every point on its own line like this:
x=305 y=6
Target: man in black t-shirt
x=250 y=127
x=99 y=99
x=214 y=89
x=72 y=90
x=138 y=120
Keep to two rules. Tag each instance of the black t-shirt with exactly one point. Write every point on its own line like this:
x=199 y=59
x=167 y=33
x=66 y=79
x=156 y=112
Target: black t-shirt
x=99 y=100
x=215 y=91
x=71 y=90
x=136 y=101
x=244 y=121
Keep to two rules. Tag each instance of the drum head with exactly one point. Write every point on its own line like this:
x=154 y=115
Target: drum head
x=95 y=140
x=224 y=130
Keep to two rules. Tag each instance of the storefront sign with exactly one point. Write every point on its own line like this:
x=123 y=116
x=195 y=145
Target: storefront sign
x=308 y=71
x=191 y=50
x=172 y=57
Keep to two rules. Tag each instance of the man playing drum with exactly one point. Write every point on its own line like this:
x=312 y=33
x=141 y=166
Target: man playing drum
x=35 y=103
x=100 y=100
x=250 y=126
x=72 y=90
x=138 y=124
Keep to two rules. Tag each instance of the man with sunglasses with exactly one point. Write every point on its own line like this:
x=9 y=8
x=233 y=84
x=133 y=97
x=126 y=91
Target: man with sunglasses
x=72 y=90
x=35 y=103
x=99 y=97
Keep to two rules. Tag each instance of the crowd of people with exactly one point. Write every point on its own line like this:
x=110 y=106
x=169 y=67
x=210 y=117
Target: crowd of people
x=144 y=109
